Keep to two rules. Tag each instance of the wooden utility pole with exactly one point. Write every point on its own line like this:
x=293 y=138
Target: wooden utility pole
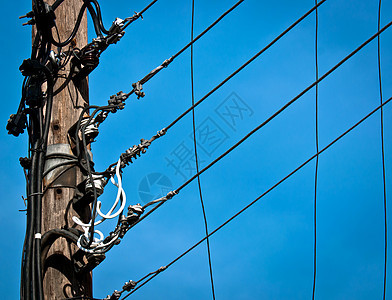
x=60 y=278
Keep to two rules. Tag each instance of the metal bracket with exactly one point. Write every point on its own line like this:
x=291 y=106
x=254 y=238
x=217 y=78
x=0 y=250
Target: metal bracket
x=59 y=173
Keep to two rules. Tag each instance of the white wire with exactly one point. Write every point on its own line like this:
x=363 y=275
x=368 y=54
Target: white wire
x=101 y=245
x=120 y=195
x=98 y=242
x=97 y=245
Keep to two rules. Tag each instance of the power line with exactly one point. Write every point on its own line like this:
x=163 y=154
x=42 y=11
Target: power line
x=123 y=96
x=382 y=153
x=138 y=86
x=38 y=131
x=285 y=106
x=246 y=63
x=162 y=200
x=138 y=15
x=261 y=196
x=120 y=98
x=197 y=160
x=317 y=160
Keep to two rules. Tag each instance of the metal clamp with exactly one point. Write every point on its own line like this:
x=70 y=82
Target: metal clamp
x=137 y=86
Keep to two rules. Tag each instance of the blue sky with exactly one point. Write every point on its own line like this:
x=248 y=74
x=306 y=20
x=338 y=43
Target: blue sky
x=266 y=253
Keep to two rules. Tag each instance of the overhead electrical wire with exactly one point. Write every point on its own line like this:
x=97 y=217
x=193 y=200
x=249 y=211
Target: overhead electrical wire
x=258 y=198
x=207 y=29
x=197 y=159
x=382 y=153
x=286 y=105
x=245 y=64
x=138 y=15
x=162 y=200
x=106 y=109
x=317 y=157
x=232 y=75
x=31 y=284
x=137 y=86
x=36 y=74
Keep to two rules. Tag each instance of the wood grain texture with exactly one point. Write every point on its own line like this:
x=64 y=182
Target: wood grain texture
x=60 y=279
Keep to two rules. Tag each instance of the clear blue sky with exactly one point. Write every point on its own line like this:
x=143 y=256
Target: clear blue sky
x=267 y=253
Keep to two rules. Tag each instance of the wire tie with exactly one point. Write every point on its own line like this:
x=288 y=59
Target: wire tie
x=161 y=269
x=171 y=194
x=161 y=132
x=38 y=236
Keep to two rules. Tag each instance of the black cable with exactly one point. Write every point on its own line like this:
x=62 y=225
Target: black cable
x=29 y=229
x=229 y=77
x=74 y=31
x=382 y=153
x=25 y=275
x=88 y=167
x=33 y=282
x=32 y=287
x=246 y=64
x=197 y=160
x=24 y=262
x=32 y=274
x=50 y=236
x=62 y=172
x=207 y=29
x=285 y=106
x=265 y=122
x=32 y=214
x=272 y=116
x=98 y=24
x=62 y=164
x=40 y=167
x=264 y=194
x=94 y=17
x=66 y=81
x=60 y=155
x=99 y=16
x=262 y=125
x=138 y=15
x=168 y=61
x=317 y=159
x=56 y=4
